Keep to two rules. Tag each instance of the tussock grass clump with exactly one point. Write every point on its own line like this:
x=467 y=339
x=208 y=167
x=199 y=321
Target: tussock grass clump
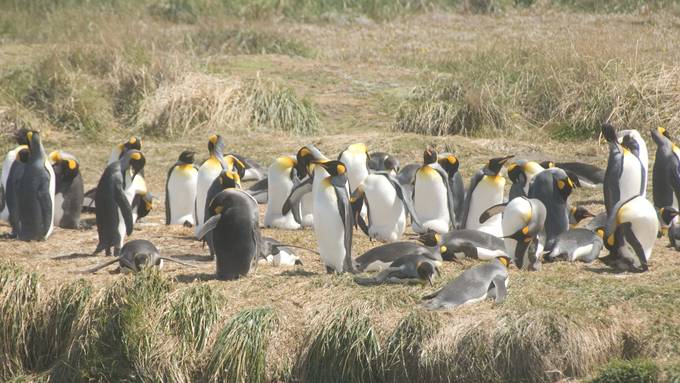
x=404 y=345
x=342 y=348
x=239 y=353
x=637 y=370
x=193 y=314
x=445 y=107
x=243 y=41
x=206 y=103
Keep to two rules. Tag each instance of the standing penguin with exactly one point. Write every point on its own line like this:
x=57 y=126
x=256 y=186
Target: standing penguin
x=281 y=178
x=6 y=167
x=529 y=168
x=665 y=185
x=133 y=143
x=252 y=170
x=486 y=189
x=16 y=172
x=302 y=194
x=630 y=234
x=180 y=191
x=236 y=233
x=226 y=180
x=642 y=153
x=669 y=218
x=626 y=174
x=432 y=198
x=355 y=157
x=523 y=223
x=36 y=193
x=207 y=173
x=113 y=211
x=334 y=231
x=69 y=191
x=553 y=187
x=451 y=165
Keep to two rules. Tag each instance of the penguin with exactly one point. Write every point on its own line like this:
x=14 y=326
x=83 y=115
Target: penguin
x=470 y=243
x=600 y=220
x=529 y=168
x=355 y=158
x=2 y=197
x=133 y=143
x=519 y=181
x=383 y=162
x=665 y=182
x=334 y=232
x=486 y=189
x=252 y=170
x=630 y=234
x=626 y=174
x=386 y=207
x=113 y=211
x=590 y=176
x=69 y=190
x=405 y=267
x=472 y=285
x=180 y=191
x=432 y=198
x=226 y=180
x=14 y=174
x=310 y=176
x=380 y=257
x=578 y=214
x=141 y=205
x=236 y=233
x=136 y=255
x=581 y=245
x=523 y=223
x=277 y=254
x=36 y=193
x=281 y=178
x=643 y=154
x=207 y=173
x=6 y=167
x=451 y=165
x=668 y=216
x=407 y=178
x=553 y=187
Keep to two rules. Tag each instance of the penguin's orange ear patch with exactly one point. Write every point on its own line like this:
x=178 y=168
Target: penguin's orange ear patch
x=218 y=210
x=504 y=260
x=72 y=164
x=136 y=156
x=610 y=240
x=525 y=230
x=560 y=184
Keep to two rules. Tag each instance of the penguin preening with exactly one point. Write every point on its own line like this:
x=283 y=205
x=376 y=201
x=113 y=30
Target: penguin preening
x=207 y=173
x=576 y=245
x=529 y=169
x=403 y=268
x=133 y=143
x=301 y=198
x=136 y=255
x=282 y=176
x=35 y=194
x=69 y=190
x=180 y=191
x=630 y=233
x=472 y=285
x=236 y=233
x=432 y=198
x=380 y=257
x=578 y=214
x=486 y=189
x=553 y=187
x=383 y=162
x=113 y=211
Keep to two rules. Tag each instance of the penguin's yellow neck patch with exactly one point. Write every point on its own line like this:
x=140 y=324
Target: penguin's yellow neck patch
x=358 y=148
x=285 y=163
x=326 y=182
x=185 y=167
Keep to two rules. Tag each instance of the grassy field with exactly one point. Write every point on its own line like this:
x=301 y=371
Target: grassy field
x=485 y=78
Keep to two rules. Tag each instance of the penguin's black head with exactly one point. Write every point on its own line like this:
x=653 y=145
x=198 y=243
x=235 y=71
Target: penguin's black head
x=187 y=157
x=306 y=157
x=580 y=213
x=564 y=185
x=229 y=180
x=515 y=173
x=504 y=260
x=216 y=145
x=426 y=271
x=135 y=160
x=234 y=164
x=429 y=156
x=32 y=139
x=134 y=143
x=667 y=214
x=142 y=261
x=21 y=136
x=494 y=165
x=631 y=144
x=444 y=251
x=430 y=238
x=547 y=164
x=664 y=132
x=391 y=163
x=609 y=133
x=334 y=168
x=450 y=163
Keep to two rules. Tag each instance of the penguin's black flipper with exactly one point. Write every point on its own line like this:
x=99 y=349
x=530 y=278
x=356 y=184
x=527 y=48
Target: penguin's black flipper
x=401 y=194
x=45 y=201
x=125 y=209
x=468 y=197
x=167 y=194
x=458 y=190
x=490 y=212
x=208 y=226
x=296 y=195
x=449 y=196
x=2 y=198
x=431 y=295
x=100 y=266
x=627 y=229
x=345 y=210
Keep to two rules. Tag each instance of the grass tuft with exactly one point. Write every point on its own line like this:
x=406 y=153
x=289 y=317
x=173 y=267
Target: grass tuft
x=620 y=371
x=243 y=41
x=239 y=353
x=193 y=314
x=404 y=345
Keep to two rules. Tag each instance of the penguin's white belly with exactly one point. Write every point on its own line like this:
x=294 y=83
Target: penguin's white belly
x=580 y=252
x=377 y=266
x=121 y=229
x=488 y=254
x=283 y=258
x=631 y=177
x=387 y=217
x=206 y=176
x=251 y=175
x=6 y=165
x=307 y=210
x=182 y=192
x=330 y=230
x=58 y=208
x=53 y=189
x=514 y=219
x=487 y=193
x=431 y=204
x=279 y=186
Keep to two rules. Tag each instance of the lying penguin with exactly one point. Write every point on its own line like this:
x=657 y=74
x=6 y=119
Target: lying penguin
x=136 y=255
x=576 y=245
x=381 y=257
x=276 y=253
x=404 y=268
x=470 y=243
x=472 y=286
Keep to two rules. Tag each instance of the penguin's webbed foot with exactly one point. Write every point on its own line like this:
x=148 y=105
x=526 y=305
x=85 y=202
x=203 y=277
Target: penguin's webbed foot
x=330 y=270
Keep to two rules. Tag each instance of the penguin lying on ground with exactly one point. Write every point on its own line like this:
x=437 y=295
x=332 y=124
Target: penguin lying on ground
x=136 y=255
x=576 y=245
x=472 y=285
x=406 y=267
x=180 y=191
x=278 y=254
x=69 y=190
x=578 y=214
x=469 y=243
x=379 y=258
x=589 y=175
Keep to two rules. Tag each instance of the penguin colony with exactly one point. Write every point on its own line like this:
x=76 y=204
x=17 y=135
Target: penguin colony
x=535 y=223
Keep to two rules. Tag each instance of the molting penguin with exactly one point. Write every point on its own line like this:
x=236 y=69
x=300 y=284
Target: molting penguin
x=180 y=191
x=486 y=189
x=133 y=143
x=406 y=267
x=380 y=257
x=451 y=165
x=236 y=233
x=469 y=243
x=36 y=193
x=626 y=174
x=135 y=256
x=630 y=234
x=281 y=178
x=355 y=157
x=432 y=198
x=589 y=175
x=523 y=230
x=552 y=187
x=113 y=210
x=473 y=285
x=334 y=231
x=576 y=245
x=69 y=191
x=207 y=173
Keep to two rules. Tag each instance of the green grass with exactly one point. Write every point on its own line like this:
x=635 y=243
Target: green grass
x=193 y=315
x=622 y=371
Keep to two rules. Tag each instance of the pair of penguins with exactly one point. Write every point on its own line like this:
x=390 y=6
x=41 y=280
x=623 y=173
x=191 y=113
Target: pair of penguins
x=38 y=191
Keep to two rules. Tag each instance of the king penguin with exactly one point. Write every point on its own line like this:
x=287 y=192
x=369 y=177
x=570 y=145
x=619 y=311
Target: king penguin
x=626 y=174
x=432 y=198
x=529 y=168
x=383 y=162
x=16 y=172
x=180 y=191
x=226 y=180
x=451 y=165
x=669 y=218
x=553 y=187
x=486 y=189
x=207 y=173
x=302 y=195
x=643 y=154
x=576 y=245
x=7 y=164
x=36 y=193
x=356 y=158
x=281 y=178
x=69 y=192
x=133 y=143
x=665 y=185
